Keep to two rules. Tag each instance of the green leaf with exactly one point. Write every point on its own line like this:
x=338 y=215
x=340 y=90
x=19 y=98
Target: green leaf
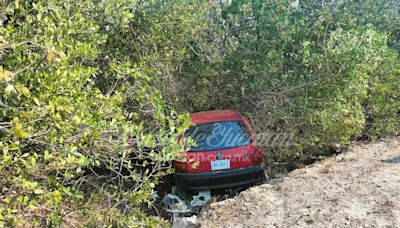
x=36 y=101
x=50 y=56
x=18 y=129
x=4 y=76
x=38 y=191
x=22 y=89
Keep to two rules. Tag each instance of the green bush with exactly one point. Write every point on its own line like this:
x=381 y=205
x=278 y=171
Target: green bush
x=69 y=150
x=307 y=68
x=89 y=89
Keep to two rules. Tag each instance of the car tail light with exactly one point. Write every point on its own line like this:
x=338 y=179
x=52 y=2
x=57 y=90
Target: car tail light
x=258 y=156
x=257 y=159
x=180 y=163
x=180 y=166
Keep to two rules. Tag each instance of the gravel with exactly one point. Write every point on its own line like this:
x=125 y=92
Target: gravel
x=358 y=188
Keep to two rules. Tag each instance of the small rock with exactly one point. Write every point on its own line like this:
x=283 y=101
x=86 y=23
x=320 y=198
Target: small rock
x=186 y=222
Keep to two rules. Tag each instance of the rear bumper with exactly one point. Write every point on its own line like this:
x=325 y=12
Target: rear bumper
x=219 y=179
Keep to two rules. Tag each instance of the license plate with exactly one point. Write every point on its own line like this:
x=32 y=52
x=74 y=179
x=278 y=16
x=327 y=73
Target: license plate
x=220 y=164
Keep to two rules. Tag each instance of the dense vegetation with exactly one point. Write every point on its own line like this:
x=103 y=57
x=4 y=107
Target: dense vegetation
x=93 y=93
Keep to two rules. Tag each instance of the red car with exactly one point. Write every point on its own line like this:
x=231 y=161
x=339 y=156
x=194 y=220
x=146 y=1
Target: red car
x=223 y=155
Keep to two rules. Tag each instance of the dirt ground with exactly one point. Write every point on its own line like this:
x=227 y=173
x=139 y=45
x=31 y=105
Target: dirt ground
x=358 y=188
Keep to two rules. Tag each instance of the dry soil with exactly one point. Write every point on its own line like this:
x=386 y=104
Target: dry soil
x=358 y=188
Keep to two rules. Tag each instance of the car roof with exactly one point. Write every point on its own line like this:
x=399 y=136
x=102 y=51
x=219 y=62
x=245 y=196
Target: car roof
x=215 y=116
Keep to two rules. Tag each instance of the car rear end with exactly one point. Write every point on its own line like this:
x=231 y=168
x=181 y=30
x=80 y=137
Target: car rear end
x=224 y=154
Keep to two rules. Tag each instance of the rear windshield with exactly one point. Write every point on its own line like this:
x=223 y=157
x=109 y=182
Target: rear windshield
x=218 y=136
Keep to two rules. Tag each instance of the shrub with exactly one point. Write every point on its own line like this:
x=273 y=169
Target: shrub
x=70 y=152
x=313 y=69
